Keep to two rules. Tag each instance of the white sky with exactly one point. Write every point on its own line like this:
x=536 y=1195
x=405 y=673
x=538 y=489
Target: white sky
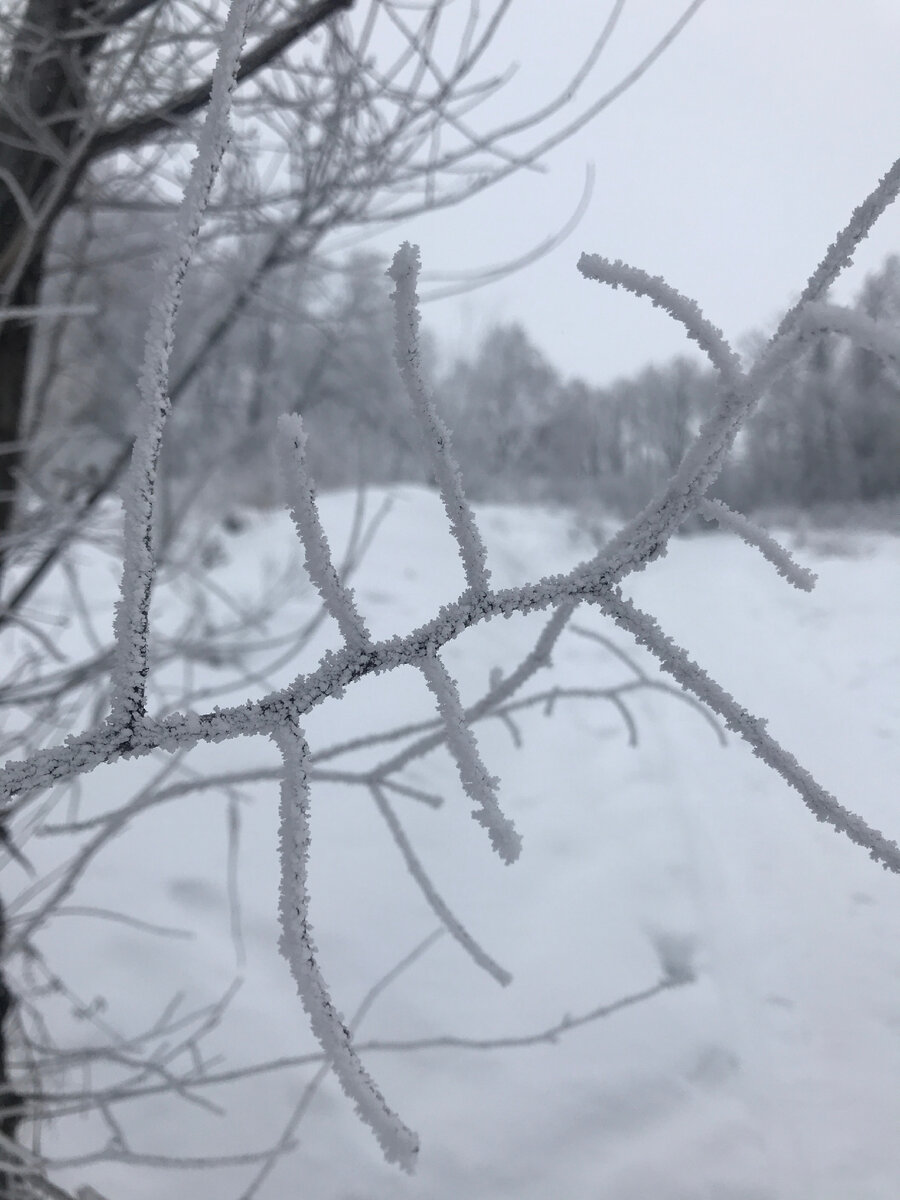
x=728 y=169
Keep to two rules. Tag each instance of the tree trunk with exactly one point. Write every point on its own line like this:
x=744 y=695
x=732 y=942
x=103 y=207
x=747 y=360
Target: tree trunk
x=43 y=107
x=16 y=336
x=10 y=1100
x=43 y=98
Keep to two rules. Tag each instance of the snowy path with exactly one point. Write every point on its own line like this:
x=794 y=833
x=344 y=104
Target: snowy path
x=772 y=1077
x=801 y=933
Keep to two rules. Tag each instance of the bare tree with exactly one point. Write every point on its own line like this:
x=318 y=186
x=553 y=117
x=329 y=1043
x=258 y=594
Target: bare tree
x=101 y=97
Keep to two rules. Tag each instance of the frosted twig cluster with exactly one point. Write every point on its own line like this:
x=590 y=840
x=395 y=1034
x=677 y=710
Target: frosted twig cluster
x=130 y=731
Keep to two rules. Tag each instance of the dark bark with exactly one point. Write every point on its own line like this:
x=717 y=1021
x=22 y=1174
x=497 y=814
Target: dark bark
x=161 y=119
x=15 y=351
x=10 y=1100
x=43 y=95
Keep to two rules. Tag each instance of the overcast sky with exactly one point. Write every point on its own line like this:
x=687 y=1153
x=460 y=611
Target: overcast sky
x=728 y=169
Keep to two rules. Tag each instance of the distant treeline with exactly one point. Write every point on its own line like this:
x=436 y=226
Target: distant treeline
x=319 y=340
x=828 y=430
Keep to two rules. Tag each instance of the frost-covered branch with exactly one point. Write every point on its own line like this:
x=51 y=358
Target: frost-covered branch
x=755 y=536
x=337 y=598
x=480 y=786
x=645 y=537
x=404 y=271
x=398 y=1143
x=840 y=253
x=861 y=329
x=673 y=659
x=681 y=308
x=133 y=612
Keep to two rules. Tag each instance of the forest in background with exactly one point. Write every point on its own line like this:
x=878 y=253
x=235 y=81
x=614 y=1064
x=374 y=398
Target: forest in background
x=319 y=342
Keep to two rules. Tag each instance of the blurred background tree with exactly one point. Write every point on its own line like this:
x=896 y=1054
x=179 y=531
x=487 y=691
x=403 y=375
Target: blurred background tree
x=347 y=118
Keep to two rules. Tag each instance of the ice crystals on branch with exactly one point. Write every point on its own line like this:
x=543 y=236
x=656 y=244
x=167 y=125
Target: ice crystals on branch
x=815 y=319
x=404 y=271
x=754 y=535
x=676 y=661
x=646 y=536
x=398 y=1143
x=479 y=785
x=662 y=295
x=133 y=611
x=337 y=598
x=597 y=581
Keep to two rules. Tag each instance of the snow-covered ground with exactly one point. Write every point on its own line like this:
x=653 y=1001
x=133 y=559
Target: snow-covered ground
x=774 y=1075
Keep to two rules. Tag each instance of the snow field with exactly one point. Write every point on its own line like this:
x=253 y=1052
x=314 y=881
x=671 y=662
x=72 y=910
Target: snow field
x=771 y=1077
